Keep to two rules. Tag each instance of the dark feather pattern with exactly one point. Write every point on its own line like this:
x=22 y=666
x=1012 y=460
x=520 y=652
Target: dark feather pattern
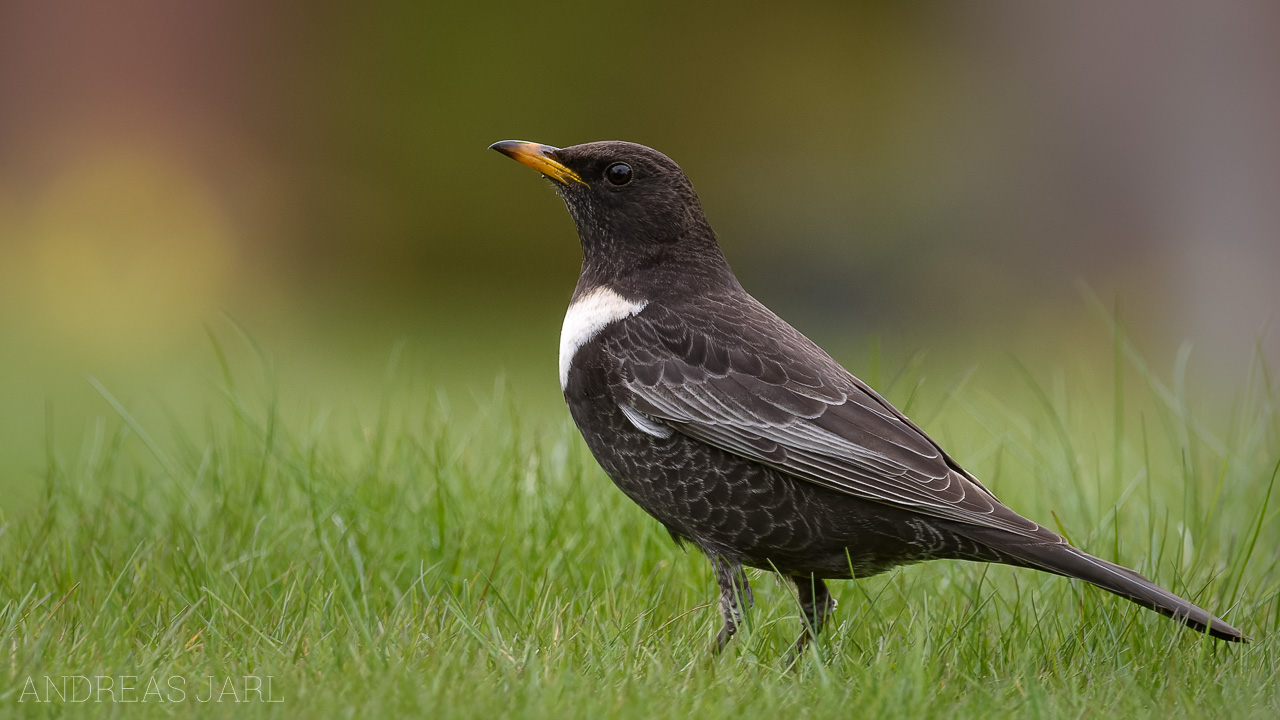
x=743 y=437
x=824 y=426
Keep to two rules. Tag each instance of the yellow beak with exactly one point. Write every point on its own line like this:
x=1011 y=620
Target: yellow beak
x=539 y=157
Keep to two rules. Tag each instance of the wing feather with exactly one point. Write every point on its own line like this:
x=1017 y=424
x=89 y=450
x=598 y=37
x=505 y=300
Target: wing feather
x=745 y=381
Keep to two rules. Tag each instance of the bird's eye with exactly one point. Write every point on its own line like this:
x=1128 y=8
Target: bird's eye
x=618 y=173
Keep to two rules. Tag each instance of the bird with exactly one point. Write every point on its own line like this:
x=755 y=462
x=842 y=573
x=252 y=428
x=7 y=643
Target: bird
x=742 y=436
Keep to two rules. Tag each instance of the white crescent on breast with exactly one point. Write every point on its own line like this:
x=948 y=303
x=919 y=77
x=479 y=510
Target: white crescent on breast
x=588 y=315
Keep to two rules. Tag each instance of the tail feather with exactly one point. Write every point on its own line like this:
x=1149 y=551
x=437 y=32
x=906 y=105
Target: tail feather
x=1062 y=559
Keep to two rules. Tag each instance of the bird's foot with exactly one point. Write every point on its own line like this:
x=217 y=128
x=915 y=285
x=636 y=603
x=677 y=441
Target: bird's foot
x=735 y=595
x=727 y=631
x=816 y=604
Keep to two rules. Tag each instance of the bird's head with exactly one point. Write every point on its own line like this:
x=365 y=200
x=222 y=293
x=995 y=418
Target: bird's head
x=634 y=208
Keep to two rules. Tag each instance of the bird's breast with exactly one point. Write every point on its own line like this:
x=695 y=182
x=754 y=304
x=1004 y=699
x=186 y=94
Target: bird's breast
x=588 y=314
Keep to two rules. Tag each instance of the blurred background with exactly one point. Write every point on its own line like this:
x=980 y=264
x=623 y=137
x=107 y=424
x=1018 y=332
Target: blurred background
x=906 y=175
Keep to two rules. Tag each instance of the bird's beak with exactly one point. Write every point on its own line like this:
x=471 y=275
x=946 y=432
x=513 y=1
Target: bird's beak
x=539 y=157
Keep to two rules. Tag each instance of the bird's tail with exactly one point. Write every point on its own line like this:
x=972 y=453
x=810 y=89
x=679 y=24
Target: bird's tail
x=1062 y=559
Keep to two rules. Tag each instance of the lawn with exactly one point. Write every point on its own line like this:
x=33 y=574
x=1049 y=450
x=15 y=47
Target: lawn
x=446 y=555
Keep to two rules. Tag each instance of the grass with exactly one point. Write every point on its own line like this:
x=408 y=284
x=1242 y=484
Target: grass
x=432 y=561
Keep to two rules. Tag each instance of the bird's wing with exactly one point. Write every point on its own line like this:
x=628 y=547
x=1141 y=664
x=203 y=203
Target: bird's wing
x=739 y=378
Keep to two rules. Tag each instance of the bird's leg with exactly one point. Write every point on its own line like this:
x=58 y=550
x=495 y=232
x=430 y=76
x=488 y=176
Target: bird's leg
x=735 y=595
x=817 y=604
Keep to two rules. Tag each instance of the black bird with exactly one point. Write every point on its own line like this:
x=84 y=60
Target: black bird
x=742 y=436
